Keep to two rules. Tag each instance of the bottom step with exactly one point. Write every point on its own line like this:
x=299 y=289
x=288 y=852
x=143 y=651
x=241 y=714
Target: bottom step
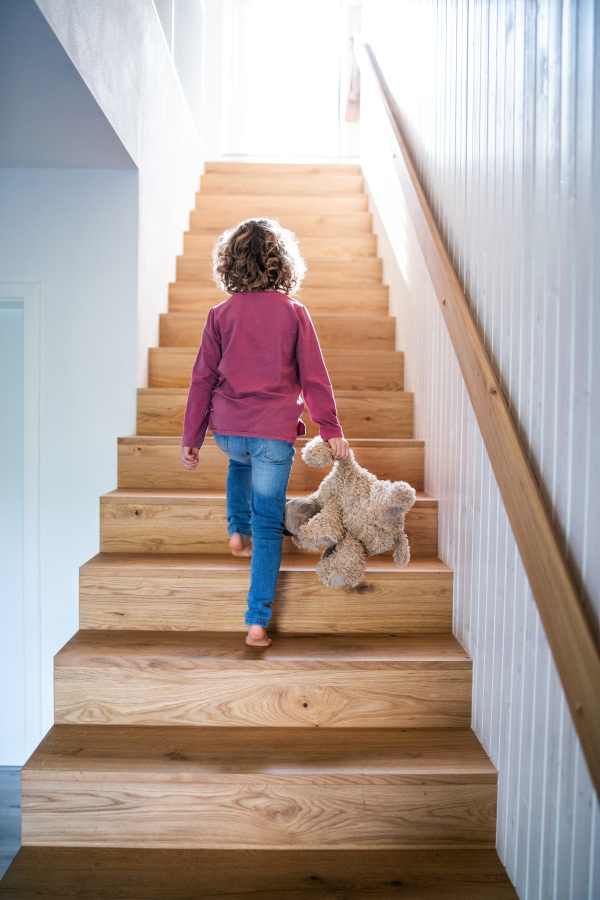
x=51 y=872
x=259 y=788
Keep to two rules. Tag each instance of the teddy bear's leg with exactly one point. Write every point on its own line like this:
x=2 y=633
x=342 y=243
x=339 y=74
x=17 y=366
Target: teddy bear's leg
x=323 y=530
x=402 y=552
x=399 y=498
x=344 y=566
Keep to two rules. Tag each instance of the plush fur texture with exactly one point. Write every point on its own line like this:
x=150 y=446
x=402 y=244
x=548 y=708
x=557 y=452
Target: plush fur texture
x=351 y=516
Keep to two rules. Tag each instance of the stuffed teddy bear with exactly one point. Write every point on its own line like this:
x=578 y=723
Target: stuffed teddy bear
x=351 y=516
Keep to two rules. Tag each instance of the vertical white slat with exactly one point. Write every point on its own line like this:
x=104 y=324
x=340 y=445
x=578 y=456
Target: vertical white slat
x=509 y=203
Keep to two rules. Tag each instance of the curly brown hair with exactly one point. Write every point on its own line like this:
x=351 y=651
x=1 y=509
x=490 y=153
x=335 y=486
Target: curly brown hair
x=258 y=255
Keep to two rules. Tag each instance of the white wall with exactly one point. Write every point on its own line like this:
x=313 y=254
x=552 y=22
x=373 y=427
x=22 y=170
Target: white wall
x=120 y=52
x=497 y=105
x=73 y=231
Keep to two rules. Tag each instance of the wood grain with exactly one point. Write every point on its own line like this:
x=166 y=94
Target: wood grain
x=289 y=185
x=207 y=221
x=365 y=271
x=340 y=247
x=243 y=207
x=335 y=332
x=194 y=522
x=568 y=629
x=199 y=297
x=124 y=874
x=389 y=414
x=353 y=370
x=272 y=169
x=187 y=593
x=154 y=463
x=210 y=679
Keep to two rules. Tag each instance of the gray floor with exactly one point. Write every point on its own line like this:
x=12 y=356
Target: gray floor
x=10 y=815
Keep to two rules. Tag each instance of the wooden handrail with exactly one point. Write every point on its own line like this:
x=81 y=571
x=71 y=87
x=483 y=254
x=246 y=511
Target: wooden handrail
x=567 y=628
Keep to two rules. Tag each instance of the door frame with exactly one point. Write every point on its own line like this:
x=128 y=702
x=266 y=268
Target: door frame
x=29 y=295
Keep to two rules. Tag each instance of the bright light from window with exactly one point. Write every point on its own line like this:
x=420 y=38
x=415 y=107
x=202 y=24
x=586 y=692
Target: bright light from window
x=285 y=80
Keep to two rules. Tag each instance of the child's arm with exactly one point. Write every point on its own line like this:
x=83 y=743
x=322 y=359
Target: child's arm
x=204 y=378
x=316 y=385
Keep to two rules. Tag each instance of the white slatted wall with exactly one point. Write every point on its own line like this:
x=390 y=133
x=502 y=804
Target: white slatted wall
x=500 y=115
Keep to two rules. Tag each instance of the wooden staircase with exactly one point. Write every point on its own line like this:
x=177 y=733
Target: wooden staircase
x=339 y=761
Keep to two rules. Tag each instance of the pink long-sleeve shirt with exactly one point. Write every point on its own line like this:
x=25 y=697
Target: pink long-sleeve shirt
x=259 y=353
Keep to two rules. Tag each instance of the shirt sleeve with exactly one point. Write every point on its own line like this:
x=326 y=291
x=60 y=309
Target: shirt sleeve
x=314 y=380
x=205 y=375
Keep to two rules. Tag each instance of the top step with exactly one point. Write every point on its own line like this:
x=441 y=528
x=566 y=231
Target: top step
x=288 y=185
x=253 y=168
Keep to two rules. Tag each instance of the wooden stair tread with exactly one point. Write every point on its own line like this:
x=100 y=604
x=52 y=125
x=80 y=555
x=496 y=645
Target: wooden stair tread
x=278 y=168
x=424 y=501
x=200 y=751
x=335 y=332
x=158 y=874
x=268 y=185
x=379 y=443
x=300 y=562
x=245 y=206
x=205 y=221
x=226 y=650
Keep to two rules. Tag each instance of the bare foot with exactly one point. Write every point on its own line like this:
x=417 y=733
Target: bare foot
x=257 y=636
x=240 y=545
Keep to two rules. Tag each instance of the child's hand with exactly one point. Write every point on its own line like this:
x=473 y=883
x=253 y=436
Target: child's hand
x=189 y=457
x=340 y=448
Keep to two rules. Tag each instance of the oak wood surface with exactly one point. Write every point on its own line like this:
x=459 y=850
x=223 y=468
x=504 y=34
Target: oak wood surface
x=199 y=297
x=177 y=592
x=262 y=168
x=146 y=461
x=151 y=521
x=570 y=633
x=388 y=414
x=354 y=370
x=274 y=753
x=214 y=221
x=365 y=271
x=208 y=678
x=186 y=592
x=251 y=206
x=125 y=874
x=339 y=247
x=335 y=332
x=289 y=185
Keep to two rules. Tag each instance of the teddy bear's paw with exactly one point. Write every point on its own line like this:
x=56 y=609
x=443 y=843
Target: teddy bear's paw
x=402 y=552
x=330 y=576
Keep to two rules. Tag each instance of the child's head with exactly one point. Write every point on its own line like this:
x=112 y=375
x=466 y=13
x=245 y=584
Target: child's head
x=258 y=255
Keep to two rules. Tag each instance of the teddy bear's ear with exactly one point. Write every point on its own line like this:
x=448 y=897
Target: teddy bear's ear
x=317 y=453
x=400 y=498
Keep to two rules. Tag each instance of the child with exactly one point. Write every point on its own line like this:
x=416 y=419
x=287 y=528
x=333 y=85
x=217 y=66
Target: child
x=259 y=352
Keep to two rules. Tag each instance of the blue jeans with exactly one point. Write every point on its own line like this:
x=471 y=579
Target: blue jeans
x=257 y=480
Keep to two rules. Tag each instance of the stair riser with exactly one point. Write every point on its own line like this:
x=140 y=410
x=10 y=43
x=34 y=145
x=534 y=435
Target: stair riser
x=349 y=370
x=383 y=603
x=200 y=527
x=338 y=694
x=281 y=185
x=334 y=332
x=199 y=297
x=385 y=415
x=274 y=206
x=278 y=169
x=215 y=222
x=323 y=247
x=365 y=270
x=158 y=467
x=358 y=814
